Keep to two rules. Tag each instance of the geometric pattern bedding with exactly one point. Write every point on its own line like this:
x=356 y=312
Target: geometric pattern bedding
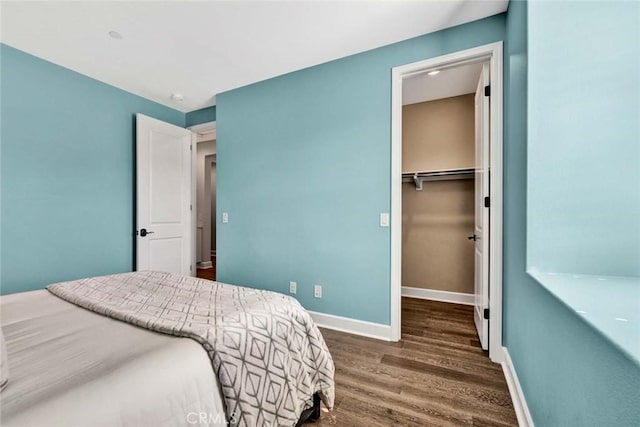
x=267 y=353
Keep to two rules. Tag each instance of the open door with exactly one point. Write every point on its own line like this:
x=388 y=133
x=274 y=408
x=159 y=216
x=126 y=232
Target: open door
x=163 y=197
x=481 y=232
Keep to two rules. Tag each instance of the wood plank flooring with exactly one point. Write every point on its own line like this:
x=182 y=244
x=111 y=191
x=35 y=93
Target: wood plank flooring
x=208 y=273
x=437 y=375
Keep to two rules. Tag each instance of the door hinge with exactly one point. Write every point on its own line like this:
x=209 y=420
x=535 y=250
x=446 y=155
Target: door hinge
x=486 y=313
x=190 y=207
x=190 y=147
x=191 y=268
x=487 y=90
x=487 y=202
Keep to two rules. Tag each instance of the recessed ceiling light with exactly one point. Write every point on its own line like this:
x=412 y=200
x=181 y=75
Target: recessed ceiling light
x=115 y=35
x=177 y=97
x=434 y=72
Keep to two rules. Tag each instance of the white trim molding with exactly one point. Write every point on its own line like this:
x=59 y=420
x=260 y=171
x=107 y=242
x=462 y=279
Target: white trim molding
x=436 y=295
x=194 y=207
x=491 y=53
x=352 y=326
x=515 y=390
x=204 y=265
x=205 y=131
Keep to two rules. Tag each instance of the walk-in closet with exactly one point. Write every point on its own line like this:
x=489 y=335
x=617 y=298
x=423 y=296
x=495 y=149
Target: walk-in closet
x=439 y=201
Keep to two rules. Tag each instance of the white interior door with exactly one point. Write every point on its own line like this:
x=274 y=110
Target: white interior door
x=481 y=232
x=163 y=196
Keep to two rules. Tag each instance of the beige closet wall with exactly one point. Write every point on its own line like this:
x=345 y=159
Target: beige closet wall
x=439 y=134
x=437 y=220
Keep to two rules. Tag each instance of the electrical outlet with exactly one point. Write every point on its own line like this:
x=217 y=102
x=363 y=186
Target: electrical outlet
x=225 y=217
x=293 y=287
x=317 y=291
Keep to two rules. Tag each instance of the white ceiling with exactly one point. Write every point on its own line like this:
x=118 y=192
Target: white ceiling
x=199 y=49
x=450 y=82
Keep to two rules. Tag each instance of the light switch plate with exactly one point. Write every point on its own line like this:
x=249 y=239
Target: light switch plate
x=317 y=291
x=225 y=217
x=293 y=287
x=384 y=219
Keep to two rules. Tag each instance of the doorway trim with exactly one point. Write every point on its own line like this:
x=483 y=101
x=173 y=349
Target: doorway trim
x=209 y=217
x=201 y=132
x=493 y=54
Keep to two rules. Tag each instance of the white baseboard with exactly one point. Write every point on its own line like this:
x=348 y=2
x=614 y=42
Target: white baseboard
x=517 y=396
x=352 y=326
x=435 y=295
x=205 y=264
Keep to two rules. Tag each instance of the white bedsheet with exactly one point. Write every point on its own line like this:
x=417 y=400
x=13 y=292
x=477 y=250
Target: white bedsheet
x=71 y=367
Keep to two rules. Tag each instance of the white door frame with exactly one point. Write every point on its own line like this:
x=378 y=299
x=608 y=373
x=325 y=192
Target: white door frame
x=209 y=160
x=202 y=132
x=493 y=54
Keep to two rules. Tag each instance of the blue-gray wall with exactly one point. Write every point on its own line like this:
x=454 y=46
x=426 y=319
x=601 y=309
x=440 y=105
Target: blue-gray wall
x=67 y=173
x=584 y=155
x=303 y=170
x=571 y=375
x=203 y=115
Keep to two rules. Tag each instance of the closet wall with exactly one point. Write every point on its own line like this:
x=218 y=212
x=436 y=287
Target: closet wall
x=437 y=220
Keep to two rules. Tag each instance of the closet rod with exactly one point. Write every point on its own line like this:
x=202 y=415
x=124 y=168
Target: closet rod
x=438 y=175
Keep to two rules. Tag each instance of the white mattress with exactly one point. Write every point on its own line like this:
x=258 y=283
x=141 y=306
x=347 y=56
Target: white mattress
x=71 y=367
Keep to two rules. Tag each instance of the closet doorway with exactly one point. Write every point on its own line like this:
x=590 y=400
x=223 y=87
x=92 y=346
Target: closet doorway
x=205 y=168
x=446 y=194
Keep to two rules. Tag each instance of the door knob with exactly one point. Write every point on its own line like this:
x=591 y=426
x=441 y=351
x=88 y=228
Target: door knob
x=474 y=237
x=144 y=232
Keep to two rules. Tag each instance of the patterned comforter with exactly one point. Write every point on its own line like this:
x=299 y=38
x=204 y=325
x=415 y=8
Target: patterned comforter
x=267 y=353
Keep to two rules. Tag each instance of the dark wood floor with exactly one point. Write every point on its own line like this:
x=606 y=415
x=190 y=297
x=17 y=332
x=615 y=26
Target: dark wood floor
x=437 y=375
x=208 y=273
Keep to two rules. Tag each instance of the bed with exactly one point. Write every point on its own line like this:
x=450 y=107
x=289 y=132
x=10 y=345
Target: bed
x=76 y=360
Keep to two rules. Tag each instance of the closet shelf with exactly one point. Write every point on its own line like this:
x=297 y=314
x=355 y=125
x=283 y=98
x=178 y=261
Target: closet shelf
x=437 y=175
